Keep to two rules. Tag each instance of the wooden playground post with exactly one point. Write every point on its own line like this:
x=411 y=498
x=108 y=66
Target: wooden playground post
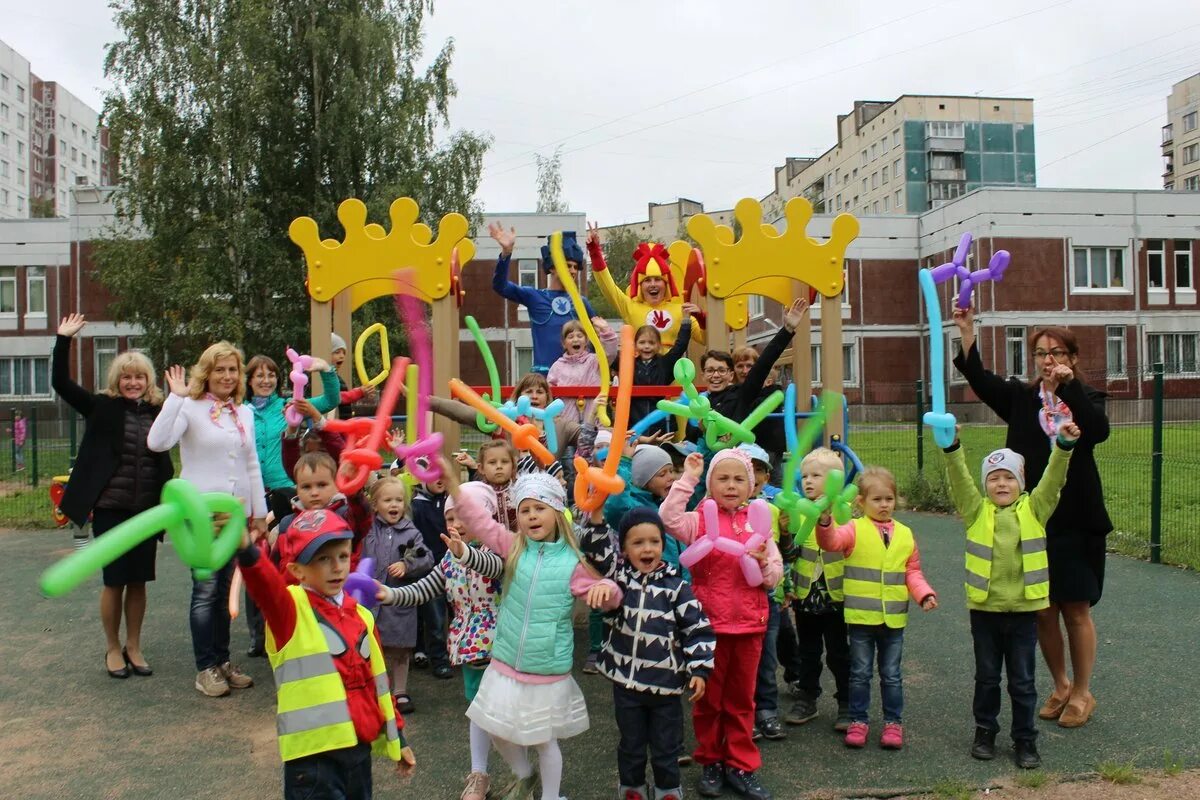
x=443 y=328
x=831 y=360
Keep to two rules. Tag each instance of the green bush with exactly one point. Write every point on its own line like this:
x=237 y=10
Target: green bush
x=926 y=491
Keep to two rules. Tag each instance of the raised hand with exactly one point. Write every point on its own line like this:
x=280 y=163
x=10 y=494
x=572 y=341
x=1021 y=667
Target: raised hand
x=1069 y=432
x=450 y=476
x=601 y=326
x=318 y=365
x=464 y=458
x=454 y=543
x=593 y=233
x=691 y=310
x=964 y=319
x=693 y=465
x=795 y=313
x=1062 y=373
x=505 y=238
x=71 y=324
x=177 y=380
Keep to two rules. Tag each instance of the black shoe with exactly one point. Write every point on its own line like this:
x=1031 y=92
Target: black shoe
x=746 y=784
x=137 y=669
x=771 y=728
x=443 y=672
x=256 y=651
x=712 y=781
x=1027 y=755
x=404 y=704
x=122 y=673
x=685 y=760
x=842 y=723
x=802 y=711
x=420 y=660
x=984 y=747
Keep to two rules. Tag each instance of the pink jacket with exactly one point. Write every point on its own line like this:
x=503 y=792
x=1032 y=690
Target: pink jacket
x=841 y=539
x=581 y=370
x=732 y=605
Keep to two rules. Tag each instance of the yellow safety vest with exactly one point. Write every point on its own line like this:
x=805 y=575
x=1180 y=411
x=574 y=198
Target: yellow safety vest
x=1035 y=566
x=873 y=576
x=313 y=716
x=806 y=566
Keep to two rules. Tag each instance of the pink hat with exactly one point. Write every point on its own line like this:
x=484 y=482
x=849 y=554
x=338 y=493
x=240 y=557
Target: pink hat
x=480 y=493
x=725 y=455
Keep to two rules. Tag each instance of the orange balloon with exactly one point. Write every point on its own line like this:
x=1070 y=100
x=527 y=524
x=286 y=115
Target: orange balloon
x=524 y=437
x=366 y=456
x=593 y=485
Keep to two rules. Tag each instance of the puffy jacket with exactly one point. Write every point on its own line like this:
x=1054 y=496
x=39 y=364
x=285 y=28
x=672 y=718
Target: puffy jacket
x=659 y=637
x=135 y=485
x=618 y=505
x=534 y=632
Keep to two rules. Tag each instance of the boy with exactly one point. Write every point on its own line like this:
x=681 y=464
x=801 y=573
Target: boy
x=659 y=642
x=817 y=605
x=1007 y=582
x=429 y=515
x=335 y=704
x=316 y=488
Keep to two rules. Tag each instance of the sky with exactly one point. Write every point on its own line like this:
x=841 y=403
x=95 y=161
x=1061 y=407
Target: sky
x=651 y=101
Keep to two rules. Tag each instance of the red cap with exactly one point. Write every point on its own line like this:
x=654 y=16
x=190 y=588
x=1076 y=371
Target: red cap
x=311 y=530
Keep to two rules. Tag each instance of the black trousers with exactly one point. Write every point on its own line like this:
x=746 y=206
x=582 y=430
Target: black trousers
x=648 y=720
x=1008 y=640
x=337 y=775
x=817 y=633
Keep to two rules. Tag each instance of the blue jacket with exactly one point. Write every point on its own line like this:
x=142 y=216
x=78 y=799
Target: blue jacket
x=534 y=632
x=549 y=310
x=269 y=427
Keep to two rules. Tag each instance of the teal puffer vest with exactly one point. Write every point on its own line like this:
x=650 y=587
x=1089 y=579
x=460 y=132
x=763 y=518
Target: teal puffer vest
x=534 y=633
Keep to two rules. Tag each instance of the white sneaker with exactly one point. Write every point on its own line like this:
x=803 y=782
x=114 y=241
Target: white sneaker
x=211 y=682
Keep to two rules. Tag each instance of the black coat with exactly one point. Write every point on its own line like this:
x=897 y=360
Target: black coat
x=1081 y=505
x=103 y=438
x=738 y=400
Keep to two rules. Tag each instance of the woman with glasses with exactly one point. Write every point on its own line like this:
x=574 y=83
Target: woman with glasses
x=1075 y=534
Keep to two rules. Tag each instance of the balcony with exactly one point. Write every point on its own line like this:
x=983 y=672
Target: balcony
x=945 y=144
x=954 y=175
x=1168 y=135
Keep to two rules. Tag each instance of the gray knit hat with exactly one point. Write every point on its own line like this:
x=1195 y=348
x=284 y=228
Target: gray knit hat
x=648 y=459
x=1006 y=459
x=338 y=342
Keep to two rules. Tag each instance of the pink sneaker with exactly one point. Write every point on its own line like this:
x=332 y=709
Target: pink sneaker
x=856 y=734
x=892 y=737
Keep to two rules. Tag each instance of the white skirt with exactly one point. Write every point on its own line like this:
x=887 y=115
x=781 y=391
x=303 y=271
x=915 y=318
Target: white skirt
x=528 y=713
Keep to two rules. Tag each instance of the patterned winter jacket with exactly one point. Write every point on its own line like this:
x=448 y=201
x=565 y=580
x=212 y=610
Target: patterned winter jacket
x=659 y=637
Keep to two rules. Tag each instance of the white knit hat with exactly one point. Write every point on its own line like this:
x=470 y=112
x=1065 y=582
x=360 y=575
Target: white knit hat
x=541 y=487
x=337 y=342
x=1006 y=459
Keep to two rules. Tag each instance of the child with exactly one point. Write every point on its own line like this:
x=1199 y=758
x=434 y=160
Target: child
x=649 y=474
x=316 y=487
x=469 y=577
x=882 y=568
x=817 y=605
x=497 y=465
x=652 y=369
x=579 y=366
x=1007 y=582
x=346 y=397
x=18 y=434
x=335 y=709
x=428 y=514
x=658 y=642
x=527 y=696
x=401 y=558
x=724 y=717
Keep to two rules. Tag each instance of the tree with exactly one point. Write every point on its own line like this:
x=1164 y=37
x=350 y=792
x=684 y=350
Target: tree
x=549 y=184
x=233 y=117
x=41 y=207
x=619 y=244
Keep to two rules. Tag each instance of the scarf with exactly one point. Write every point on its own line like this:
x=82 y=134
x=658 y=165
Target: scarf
x=219 y=406
x=1054 y=412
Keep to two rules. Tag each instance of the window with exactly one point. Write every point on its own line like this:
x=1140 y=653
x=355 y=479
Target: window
x=1191 y=184
x=8 y=287
x=20 y=93
x=953 y=376
x=1189 y=122
x=863 y=162
x=20 y=149
x=1014 y=351
x=20 y=176
x=754 y=306
x=62 y=147
x=20 y=203
x=864 y=186
x=884 y=172
x=944 y=130
x=1175 y=351
x=20 y=121
x=1191 y=153
x=24 y=377
x=1115 y=350
x=3 y=110
x=897 y=169
x=849 y=365
x=527 y=273
x=874 y=151
x=886 y=203
x=106 y=351
x=874 y=180
x=1099 y=268
x=3 y=82
x=1183 y=264
x=524 y=362
x=875 y=207
x=62 y=171
x=3 y=169
x=895 y=138
x=3 y=139
x=1155 y=264
x=35 y=290
x=898 y=200
x=942 y=191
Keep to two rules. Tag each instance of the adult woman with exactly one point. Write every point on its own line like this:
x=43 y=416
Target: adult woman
x=1075 y=533
x=115 y=477
x=215 y=434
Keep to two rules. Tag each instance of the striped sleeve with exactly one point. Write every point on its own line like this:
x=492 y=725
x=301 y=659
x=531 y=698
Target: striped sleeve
x=483 y=561
x=415 y=594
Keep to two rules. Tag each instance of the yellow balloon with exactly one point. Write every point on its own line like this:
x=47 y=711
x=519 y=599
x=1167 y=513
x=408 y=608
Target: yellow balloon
x=384 y=351
x=564 y=277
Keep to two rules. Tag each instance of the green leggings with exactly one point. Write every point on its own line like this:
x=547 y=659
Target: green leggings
x=595 y=631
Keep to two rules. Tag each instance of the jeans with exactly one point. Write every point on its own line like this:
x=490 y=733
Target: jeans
x=865 y=641
x=823 y=632
x=766 y=687
x=335 y=775
x=1008 y=640
x=210 y=618
x=648 y=720
x=433 y=618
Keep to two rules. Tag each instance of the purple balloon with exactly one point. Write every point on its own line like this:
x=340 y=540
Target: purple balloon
x=361 y=585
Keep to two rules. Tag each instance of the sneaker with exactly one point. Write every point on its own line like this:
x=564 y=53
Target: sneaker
x=235 y=677
x=1026 y=754
x=746 y=784
x=668 y=794
x=984 y=747
x=589 y=665
x=477 y=786
x=712 y=781
x=771 y=728
x=443 y=672
x=842 y=723
x=631 y=793
x=794 y=689
x=686 y=760
x=211 y=682
x=420 y=660
x=856 y=734
x=802 y=711
x=892 y=737
x=256 y=651
x=756 y=733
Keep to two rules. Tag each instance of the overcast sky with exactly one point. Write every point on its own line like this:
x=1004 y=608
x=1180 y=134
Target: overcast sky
x=702 y=99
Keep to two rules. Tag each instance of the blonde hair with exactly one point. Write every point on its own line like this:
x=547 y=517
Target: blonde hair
x=134 y=363
x=563 y=530
x=198 y=379
x=876 y=476
x=570 y=326
x=822 y=456
x=745 y=354
x=498 y=444
x=388 y=480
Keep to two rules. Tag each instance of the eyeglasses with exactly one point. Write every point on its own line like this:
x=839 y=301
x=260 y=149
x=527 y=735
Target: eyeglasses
x=716 y=371
x=1058 y=353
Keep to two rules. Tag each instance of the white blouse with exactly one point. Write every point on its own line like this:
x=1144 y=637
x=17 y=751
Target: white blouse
x=215 y=456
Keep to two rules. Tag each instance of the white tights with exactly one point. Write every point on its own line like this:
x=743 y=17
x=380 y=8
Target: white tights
x=481 y=747
x=549 y=761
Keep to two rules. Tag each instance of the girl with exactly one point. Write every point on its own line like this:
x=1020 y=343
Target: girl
x=724 y=717
x=882 y=568
x=468 y=576
x=652 y=369
x=496 y=467
x=401 y=557
x=19 y=432
x=579 y=366
x=527 y=696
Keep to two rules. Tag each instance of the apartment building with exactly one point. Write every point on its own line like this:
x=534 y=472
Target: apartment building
x=666 y=222
x=15 y=130
x=1181 y=137
x=70 y=147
